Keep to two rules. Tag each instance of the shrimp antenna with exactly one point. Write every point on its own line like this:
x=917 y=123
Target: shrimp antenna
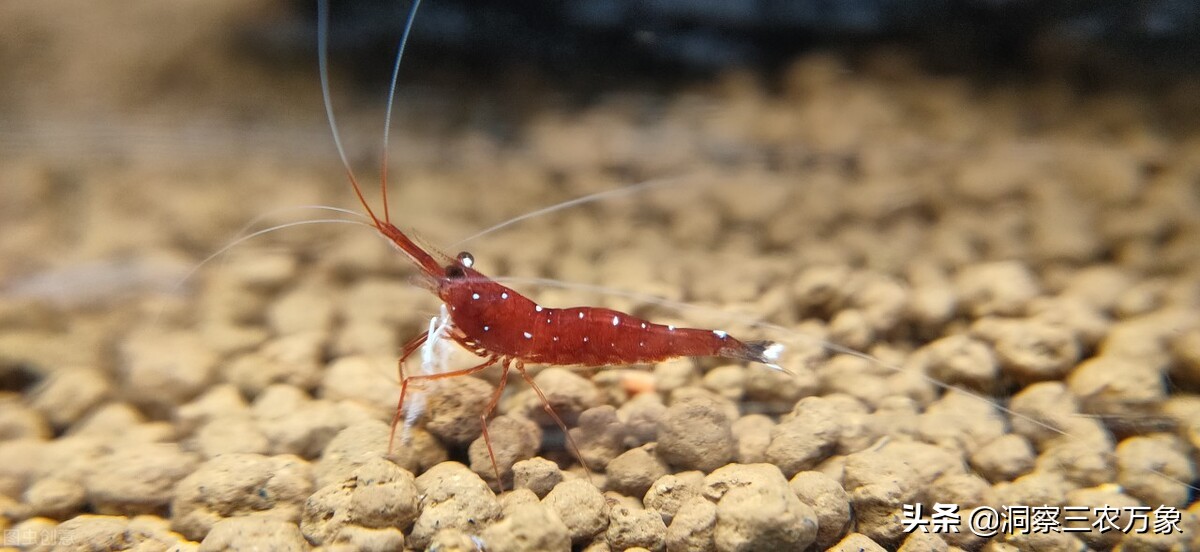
x=323 y=67
x=387 y=118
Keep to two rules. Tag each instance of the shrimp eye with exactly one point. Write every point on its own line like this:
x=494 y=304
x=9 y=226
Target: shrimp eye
x=455 y=272
x=466 y=259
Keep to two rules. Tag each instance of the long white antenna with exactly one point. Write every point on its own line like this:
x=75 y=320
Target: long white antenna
x=322 y=64
x=387 y=119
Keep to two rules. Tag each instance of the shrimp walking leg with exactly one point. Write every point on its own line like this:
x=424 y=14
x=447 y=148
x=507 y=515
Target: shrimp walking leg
x=553 y=415
x=483 y=418
x=430 y=377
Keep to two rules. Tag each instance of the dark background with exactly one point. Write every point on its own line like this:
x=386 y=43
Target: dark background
x=600 y=40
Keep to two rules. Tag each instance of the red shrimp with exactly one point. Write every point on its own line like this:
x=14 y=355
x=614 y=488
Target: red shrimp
x=506 y=328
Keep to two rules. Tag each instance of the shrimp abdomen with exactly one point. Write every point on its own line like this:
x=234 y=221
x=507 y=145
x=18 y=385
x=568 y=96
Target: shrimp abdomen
x=502 y=321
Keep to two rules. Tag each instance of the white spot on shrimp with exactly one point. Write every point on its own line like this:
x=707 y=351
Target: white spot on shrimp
x=643 y=325
x=720 y=334
x=504 y=295
x=556 y=338
x=616 y=320
x=585 y=339
x=547 y=320
x=581 y=315
x=671 y=328
x=642 y=344
x=537 y=308
x=486 y=328
x=475 y=296
x=528 y=335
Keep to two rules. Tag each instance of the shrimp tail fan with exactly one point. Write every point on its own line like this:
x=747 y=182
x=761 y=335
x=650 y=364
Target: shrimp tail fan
x=762 y=352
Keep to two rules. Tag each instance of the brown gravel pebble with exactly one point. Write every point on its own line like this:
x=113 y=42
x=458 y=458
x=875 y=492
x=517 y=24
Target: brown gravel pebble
x=378 y=495
x=452 y=496
x=99 y=532
x=810 y=435
x=959 y=360
x=1037 y=488
x=693 y=527
x=229 y=435
x=1116 y=386
x=536 y=474
x=294 y=423
x=55 y=498
x=1000 y=288
x=581 y=507
x=635 y=528
x=293 y=360
x=857 y=542
x=234 y=485
x=727 y=381
x=568 y=393
x=879 y=485
x=777 y=392
x=1106 y=496
x=350 y=448
x=924 y=542
x=695 y=436
x=828 y=500
x=753 y=435
x=161 y=371
x=513 y=440
x=254 y=533
x=600 y=436
x=1155 y=469
x=669 y=492
x=138 y=479
x=1004 y=459
x=67 y=395
x=19 y=422
x=219 y=401
x=453 y=539
x=757 y=510
x=1060 y=542
x=453 y=407
x=360 y=379
x=354 y=538
x=640 y=415
x=634 y=471
x=527 y=527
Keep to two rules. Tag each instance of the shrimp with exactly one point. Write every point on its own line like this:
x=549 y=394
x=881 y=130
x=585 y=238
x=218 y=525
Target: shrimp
x=505 y=328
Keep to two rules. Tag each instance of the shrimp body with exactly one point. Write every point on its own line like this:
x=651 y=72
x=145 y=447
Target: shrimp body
x=497 y=319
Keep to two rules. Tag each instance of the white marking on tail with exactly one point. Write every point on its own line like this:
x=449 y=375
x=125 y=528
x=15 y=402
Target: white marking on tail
x=773 y=351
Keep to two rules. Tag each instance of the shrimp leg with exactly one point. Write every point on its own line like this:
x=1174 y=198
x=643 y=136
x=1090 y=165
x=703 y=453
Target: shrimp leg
x=554 y=415
x=431 y=377
x=483 y=420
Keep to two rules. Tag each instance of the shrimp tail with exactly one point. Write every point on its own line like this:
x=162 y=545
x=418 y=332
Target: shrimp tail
x=762 y=352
